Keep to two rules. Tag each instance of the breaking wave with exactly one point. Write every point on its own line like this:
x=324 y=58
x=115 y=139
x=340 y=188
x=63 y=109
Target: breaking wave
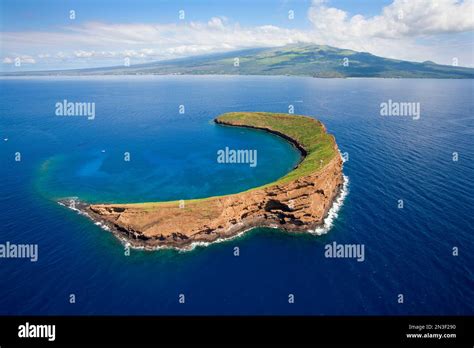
x=333 y=212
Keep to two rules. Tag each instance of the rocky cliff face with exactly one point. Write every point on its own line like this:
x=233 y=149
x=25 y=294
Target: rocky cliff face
x=299 y=205
x=298 y=202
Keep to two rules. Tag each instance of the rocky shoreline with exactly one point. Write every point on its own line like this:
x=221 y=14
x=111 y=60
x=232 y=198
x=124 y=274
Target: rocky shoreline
x=299 y=205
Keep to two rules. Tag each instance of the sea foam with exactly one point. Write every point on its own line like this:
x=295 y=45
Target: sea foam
x=334 y=211
x=326 y=226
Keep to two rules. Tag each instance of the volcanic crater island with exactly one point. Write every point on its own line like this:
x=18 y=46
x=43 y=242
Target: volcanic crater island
x=297 y=202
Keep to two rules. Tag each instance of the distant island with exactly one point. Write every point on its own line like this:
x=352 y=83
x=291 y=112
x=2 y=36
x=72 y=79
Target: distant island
x=299 y=201
x=294 y=60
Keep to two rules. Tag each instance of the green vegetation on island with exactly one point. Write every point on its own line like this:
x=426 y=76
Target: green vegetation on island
x=297 y=202
x=306 y=133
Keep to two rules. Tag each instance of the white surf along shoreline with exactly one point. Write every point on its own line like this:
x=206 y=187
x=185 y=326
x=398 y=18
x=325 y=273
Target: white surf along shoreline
x=326 y=226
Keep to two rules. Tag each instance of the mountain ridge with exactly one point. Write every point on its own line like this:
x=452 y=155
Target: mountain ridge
x=296 y=60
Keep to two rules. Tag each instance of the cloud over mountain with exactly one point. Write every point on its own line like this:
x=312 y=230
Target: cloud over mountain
x=412 y=30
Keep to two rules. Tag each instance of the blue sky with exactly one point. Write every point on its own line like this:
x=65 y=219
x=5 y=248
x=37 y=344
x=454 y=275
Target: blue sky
x=41 y=34
x=47 y=14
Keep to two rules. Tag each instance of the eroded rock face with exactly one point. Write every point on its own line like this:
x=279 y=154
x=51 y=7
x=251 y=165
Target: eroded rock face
x=299 y=205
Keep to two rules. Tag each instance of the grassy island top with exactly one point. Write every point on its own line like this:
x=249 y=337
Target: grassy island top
x=308 y=134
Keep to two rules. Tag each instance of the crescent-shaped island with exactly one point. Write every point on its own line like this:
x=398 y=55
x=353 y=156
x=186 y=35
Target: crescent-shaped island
x=297 y=202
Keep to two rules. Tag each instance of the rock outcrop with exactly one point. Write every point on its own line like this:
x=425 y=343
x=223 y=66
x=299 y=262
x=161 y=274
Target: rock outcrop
x=295 y=205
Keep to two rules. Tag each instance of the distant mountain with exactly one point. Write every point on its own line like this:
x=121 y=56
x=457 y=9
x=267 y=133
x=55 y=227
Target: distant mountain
x=298 y=60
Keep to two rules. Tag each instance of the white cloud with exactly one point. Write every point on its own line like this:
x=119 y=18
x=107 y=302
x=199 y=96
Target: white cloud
x=398 y=30
x=402 y=18
x=61 y=55
x=413 y=30
x=157 y=41
x=84 y=54
x=215 y=22
x=22 y=59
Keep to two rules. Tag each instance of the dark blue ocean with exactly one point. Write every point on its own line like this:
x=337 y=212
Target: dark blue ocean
x=408 y=251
